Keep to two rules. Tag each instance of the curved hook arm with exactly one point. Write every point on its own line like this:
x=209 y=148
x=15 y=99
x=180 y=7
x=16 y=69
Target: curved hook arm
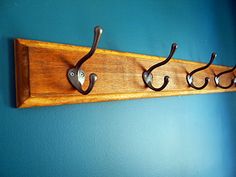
x=147 y=75
x=217 y=79
x=174 y=46
x=97 y=36
x=190 y=75
x=76 y=76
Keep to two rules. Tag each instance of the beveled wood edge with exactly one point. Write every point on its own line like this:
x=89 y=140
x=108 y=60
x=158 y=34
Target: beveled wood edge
x=21 y=78
x=55 y=101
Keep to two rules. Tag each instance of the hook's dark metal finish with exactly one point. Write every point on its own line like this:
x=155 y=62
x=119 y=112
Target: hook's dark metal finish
x=217 y=79
x=76 y=75
x=148 y=77
x=207 y=79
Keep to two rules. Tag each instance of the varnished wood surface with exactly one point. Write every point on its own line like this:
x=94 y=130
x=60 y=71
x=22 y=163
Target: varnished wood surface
x=41 y=70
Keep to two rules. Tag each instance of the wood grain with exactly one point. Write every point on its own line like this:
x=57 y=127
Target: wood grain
x=41 y=70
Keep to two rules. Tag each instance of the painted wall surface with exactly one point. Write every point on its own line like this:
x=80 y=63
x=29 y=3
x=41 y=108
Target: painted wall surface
x=189 y=136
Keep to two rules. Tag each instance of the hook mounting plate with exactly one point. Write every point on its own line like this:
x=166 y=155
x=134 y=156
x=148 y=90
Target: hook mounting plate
x=217 y=80
x=75 y=75
x=189 y=79
x=147 y=77
x=81 y=76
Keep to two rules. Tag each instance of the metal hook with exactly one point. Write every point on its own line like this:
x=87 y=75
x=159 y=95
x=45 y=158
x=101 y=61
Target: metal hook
x=148 y=77
x=217 y=79
x=235 y=80
x=76 y=75
x=207 y=79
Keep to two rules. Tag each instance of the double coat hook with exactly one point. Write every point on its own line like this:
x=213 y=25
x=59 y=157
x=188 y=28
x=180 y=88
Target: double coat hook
x=76 y=75
x=190 y=75
x=217 y=79
x=148 y=77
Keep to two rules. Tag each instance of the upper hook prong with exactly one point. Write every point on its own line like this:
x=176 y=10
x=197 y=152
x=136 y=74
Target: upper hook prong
x=174 y=46
x=97 y=36
x=189 y=76
x=147 y=75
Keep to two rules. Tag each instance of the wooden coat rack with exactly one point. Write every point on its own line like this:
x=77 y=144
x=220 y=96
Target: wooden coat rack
x=42 y=79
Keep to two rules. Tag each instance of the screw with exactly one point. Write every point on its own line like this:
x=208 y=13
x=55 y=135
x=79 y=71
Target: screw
x=82 y=74
x=72 y=74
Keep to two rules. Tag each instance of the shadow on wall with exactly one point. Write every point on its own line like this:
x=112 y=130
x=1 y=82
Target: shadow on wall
x=231 y=125
x=233 y=105
x=226 y=32
x=233 y=13
x=225 y=21
x=8 y=74
x=12 y=94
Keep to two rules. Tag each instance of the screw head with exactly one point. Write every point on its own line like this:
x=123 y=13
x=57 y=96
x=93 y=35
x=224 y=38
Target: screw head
x=72 y=74
x=82 y=74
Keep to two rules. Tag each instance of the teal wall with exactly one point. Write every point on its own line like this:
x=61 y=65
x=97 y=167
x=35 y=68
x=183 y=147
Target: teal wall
x=189 y=136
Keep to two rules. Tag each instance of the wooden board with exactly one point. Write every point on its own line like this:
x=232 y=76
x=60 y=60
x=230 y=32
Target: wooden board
x=41 y=75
